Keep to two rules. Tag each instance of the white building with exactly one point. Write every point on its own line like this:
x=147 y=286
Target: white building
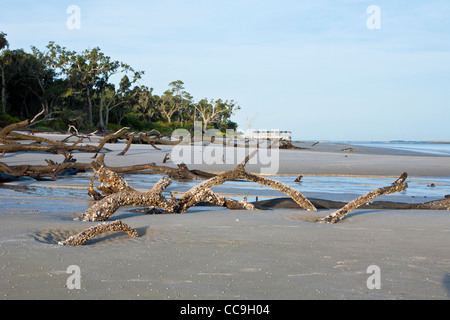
x=270 y=134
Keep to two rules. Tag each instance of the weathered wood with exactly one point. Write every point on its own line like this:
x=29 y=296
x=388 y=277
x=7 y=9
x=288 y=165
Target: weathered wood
x=82 y=237
x=129 y=142
x=119 y=134
x=119 y=194
x=15 y=126
x=443 y=204
x=240 y=173
x=110 y=181
x=92 y=192
x=53 y=169
x=21 y=136
x=397 y=186
x=103 y=209
x=54 y=148
x=208 y=196
x=288 y=203
x=286 y=144
x=188 y=197
x=297 y=196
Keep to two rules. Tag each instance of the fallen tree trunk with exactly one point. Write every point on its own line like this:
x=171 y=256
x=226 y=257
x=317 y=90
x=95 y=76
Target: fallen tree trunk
x=54 y=169
x=82 y=237
x=103 y=209
x=397 y=186
x=443 y=204
x=15 y=126
x=286 y=144
x=298 y=197
x=21 y=136
x=240 y=173
x=54 y=148
x=59 y=147
x=288 y=203
x=119 y=194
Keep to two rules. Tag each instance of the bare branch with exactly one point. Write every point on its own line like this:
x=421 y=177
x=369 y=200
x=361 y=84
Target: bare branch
x=82 y=237
x=397 y=186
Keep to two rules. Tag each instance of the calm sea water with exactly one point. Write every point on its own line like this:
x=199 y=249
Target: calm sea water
x=434 y=148
x=70 y=193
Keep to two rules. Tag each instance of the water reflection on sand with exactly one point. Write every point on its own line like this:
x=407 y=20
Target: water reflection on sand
x=70 y=193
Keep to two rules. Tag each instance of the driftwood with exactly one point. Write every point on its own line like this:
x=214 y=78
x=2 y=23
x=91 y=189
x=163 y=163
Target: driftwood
x=129 y=142
x=8 y=139
x=118 y=193
x=52 y=170
x=240 y=173
x=397 y=186
x=55 y=169
x=82 y=237
x=286 y=144
x=443 y=204
x=51 y=146
x=54 y=148
x=70 y=166
x=103 y=209
x=114 y=192
x=15 y=126
x=288 y=203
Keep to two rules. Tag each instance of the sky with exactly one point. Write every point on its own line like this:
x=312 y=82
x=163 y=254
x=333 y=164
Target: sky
x=316 y=68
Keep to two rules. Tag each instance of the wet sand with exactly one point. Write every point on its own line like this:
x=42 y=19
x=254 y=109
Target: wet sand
x=215 y=253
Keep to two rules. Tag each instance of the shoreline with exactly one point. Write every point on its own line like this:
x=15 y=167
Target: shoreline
x=322 y=159
x=216 y=253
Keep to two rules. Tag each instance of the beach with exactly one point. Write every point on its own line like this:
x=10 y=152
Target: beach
x=216 y=253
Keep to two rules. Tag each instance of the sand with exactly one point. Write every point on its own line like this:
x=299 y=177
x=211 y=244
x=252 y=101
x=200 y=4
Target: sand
x=211 y=253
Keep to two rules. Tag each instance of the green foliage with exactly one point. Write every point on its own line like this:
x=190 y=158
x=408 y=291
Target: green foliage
x=114 y=127
x=66 y=117
x=132 y=120
x=230 y=125
x=6 y=119
x=76 y=88
x=3 y=42
x=168 y=128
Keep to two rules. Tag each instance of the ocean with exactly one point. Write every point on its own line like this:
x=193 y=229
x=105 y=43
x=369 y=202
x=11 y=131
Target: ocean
x=420 y=146
x=70 y=193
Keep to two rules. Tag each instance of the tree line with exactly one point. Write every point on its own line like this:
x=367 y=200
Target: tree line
x=78 y=88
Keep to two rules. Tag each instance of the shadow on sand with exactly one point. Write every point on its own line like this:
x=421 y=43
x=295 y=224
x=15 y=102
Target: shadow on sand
x=446 y=283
